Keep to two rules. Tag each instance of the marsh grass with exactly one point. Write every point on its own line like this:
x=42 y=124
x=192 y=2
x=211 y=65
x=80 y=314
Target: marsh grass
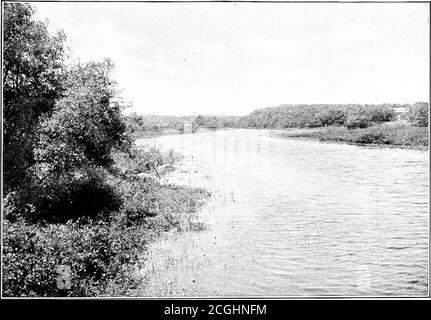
x=390 y=134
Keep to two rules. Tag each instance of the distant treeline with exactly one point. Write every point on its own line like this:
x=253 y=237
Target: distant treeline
x=289 y=116
x=321 y=115
x=138 y=124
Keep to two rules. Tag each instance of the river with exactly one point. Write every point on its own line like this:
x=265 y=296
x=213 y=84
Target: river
x=295 y=218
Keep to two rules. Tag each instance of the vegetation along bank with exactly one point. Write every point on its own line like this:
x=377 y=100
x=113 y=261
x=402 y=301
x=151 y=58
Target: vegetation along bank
x=77 y=194
x=350 y=123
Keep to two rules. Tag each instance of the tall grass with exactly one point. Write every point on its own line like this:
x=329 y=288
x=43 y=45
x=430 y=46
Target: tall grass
x=402 y=135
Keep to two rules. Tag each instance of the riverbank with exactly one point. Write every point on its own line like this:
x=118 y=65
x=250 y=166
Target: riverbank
x=166 y=132
x=154 y=133
x=152 y=207
x=387 y=134
x=166 y=270
x=103 y=252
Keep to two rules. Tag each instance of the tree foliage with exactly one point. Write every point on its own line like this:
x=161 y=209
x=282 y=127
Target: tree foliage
x=75 y=146
x=85 y=124
x=65 y=201
x=418 y=114
x=137 y=124
x=32 y=76
x=317 y=115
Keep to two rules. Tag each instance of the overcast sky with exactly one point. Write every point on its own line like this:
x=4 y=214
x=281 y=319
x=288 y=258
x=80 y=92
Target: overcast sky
x=226 y=58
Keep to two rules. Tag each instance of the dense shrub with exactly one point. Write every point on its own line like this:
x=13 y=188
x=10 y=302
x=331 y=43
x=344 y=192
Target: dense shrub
x=144 y=200
x=380 y=113
x=75 y=147
x=358 y=120
x=85 y=125
x=97 y=254
x=371 y=137
x=210 y=122
x=70 y=195
x=359 y=116
x=317 y=115
x=418 y=114
x=332 y=116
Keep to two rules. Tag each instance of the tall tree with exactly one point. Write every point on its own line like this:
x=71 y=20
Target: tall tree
x=32 y=77
x=418 y=114
x=86 y=123
x=74 y=147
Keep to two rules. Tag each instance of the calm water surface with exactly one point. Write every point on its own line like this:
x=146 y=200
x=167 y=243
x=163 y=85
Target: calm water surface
x=294 y=218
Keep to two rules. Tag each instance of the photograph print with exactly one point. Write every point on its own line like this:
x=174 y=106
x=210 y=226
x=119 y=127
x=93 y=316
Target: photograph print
x=215 y=150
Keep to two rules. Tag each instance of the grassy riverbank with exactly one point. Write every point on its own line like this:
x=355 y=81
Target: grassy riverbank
x=389 y=134
x=103 y=252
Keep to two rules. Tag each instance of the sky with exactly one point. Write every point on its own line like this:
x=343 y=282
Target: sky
x=231 y=58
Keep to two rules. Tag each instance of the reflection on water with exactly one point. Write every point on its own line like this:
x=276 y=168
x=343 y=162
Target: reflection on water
x=291 y=218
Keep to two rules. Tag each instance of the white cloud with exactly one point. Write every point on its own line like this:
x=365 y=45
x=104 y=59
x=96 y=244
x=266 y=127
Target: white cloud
x=231 y=58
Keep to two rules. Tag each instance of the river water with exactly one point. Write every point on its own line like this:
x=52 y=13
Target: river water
x=295 y=218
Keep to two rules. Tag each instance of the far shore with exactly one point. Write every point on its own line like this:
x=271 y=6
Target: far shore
x=381 y=135
x=387 y=135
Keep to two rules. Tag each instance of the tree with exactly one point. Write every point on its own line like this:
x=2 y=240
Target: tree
x=32 y=77
x=418 y=114
x=74 y=148
x=332 y=116
x=86 y=124
x=199 y=121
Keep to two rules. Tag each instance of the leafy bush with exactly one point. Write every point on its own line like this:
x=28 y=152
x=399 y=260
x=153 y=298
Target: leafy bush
x=358 y=120
x=152 y=123
x=144 y=200
x=14 y=207
x=332 y=116
x=371 y=137
x=100 y=252
x=359 y=116
x=70 y=195
x=418 y=114
x=136 y=160
x=380 y=113
x=97 y=254
x=85 y=125
x=75 y=147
